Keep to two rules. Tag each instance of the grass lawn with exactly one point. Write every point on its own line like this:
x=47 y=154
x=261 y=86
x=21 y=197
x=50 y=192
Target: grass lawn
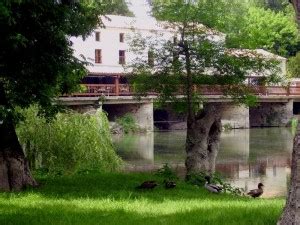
x=113 y=199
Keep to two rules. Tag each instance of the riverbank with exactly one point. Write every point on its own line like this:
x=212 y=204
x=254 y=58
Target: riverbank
x=113 y=199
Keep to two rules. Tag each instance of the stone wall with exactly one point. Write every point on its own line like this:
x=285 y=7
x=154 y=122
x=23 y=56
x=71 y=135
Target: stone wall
x=142 y=113
x=235 y=116
x=273 y=114
x=85 y=109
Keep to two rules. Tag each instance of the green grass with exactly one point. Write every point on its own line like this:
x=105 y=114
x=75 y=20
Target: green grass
x=113 y=199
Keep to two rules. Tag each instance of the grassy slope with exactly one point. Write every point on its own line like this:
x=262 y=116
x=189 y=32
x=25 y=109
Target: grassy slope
x=112 y=199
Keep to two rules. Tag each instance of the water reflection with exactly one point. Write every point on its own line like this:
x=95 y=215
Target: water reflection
x=246 y=157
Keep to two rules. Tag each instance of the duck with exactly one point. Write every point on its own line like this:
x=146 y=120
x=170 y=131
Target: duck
x=149 y=184
x=256 y=192
x=212 y=187
x=169 y=184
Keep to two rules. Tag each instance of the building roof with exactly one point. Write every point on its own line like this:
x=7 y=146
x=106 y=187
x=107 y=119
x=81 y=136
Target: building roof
x=255 y=53
x=125 y=22
x=151 y=24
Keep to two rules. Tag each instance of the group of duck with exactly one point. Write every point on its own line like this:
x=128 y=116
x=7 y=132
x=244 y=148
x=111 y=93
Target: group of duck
x=152 y=184
x=208 y=186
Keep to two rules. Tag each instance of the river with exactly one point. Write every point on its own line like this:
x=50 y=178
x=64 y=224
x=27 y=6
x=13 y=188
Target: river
x=246 y=156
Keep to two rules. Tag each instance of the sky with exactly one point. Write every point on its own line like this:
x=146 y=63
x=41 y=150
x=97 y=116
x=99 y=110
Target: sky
x=140 y=8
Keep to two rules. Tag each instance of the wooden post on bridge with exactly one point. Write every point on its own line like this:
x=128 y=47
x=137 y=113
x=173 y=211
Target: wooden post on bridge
x=117 y=86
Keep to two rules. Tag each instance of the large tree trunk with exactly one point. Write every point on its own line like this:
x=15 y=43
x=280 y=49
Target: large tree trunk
x=291 y=213
x=14 y=169
x=296 y=4
x=202 y=141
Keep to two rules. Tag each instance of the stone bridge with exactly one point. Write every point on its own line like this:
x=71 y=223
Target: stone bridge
x=276 y=106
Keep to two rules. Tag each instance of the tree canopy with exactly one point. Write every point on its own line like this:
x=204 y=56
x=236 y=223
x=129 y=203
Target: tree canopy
x=267 y=29
x=118 y=7
x=248 y=24
x=36 y=58
x=181 y=67
x=37 y=65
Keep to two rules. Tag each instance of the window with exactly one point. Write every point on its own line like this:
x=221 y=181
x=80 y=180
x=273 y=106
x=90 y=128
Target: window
x=122 y=37
x=98 y=56
x=121 y=57
x=97 y=36
x=151 y=58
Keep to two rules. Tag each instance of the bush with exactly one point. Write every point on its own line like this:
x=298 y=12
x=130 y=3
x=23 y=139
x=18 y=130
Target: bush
x=128 y=124
x=227 y=127
x=199 y=180
x=167 y=173
x=69 y=143
x=294 y=124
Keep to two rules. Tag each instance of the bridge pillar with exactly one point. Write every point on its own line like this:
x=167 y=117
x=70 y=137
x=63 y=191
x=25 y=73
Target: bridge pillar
x=142 y=112
x=143 y=115
x=235 y=116
x=271 y=114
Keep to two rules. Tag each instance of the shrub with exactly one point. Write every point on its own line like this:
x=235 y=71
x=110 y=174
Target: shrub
x=294 y=124
x=71 y=142
x=167 y=173
x=127 y=122
x=227 y=127
x=199 y=180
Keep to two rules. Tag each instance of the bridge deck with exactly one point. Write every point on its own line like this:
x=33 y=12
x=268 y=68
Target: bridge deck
x=127 y=90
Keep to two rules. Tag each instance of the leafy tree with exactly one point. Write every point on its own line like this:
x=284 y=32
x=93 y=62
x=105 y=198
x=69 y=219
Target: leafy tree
x=118 y=7
x=264 y=28
x=291 y=212
x=198 y=57
x=294 y=66
x=36 y=65
x=247 y=24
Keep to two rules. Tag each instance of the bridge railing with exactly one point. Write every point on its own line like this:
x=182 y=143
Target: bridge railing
x=127 y=90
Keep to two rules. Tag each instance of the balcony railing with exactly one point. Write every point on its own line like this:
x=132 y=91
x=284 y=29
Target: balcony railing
x=127 y=90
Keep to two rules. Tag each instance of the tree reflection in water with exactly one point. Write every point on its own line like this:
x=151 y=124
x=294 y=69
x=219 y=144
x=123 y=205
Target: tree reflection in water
x=246 y=157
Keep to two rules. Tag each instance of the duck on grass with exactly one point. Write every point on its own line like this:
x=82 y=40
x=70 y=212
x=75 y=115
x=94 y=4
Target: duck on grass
x=110 y=198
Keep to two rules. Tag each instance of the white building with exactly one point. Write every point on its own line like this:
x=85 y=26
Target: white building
x=107 y=49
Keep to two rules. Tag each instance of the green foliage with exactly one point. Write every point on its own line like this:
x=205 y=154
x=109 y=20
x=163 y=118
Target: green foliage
x=264 y=28
x=293 y=66
x=227 y=127
x=199 y=180
x=36 y=55
x=128 y=123
x=247 y=23
x=294 y=125
x=112 y=199
x=117 y=7
x=167 y=173
x=70 y=142
x=199 y=57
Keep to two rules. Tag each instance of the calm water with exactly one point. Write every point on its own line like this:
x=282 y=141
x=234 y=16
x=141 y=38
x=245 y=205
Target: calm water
x=246 y=157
